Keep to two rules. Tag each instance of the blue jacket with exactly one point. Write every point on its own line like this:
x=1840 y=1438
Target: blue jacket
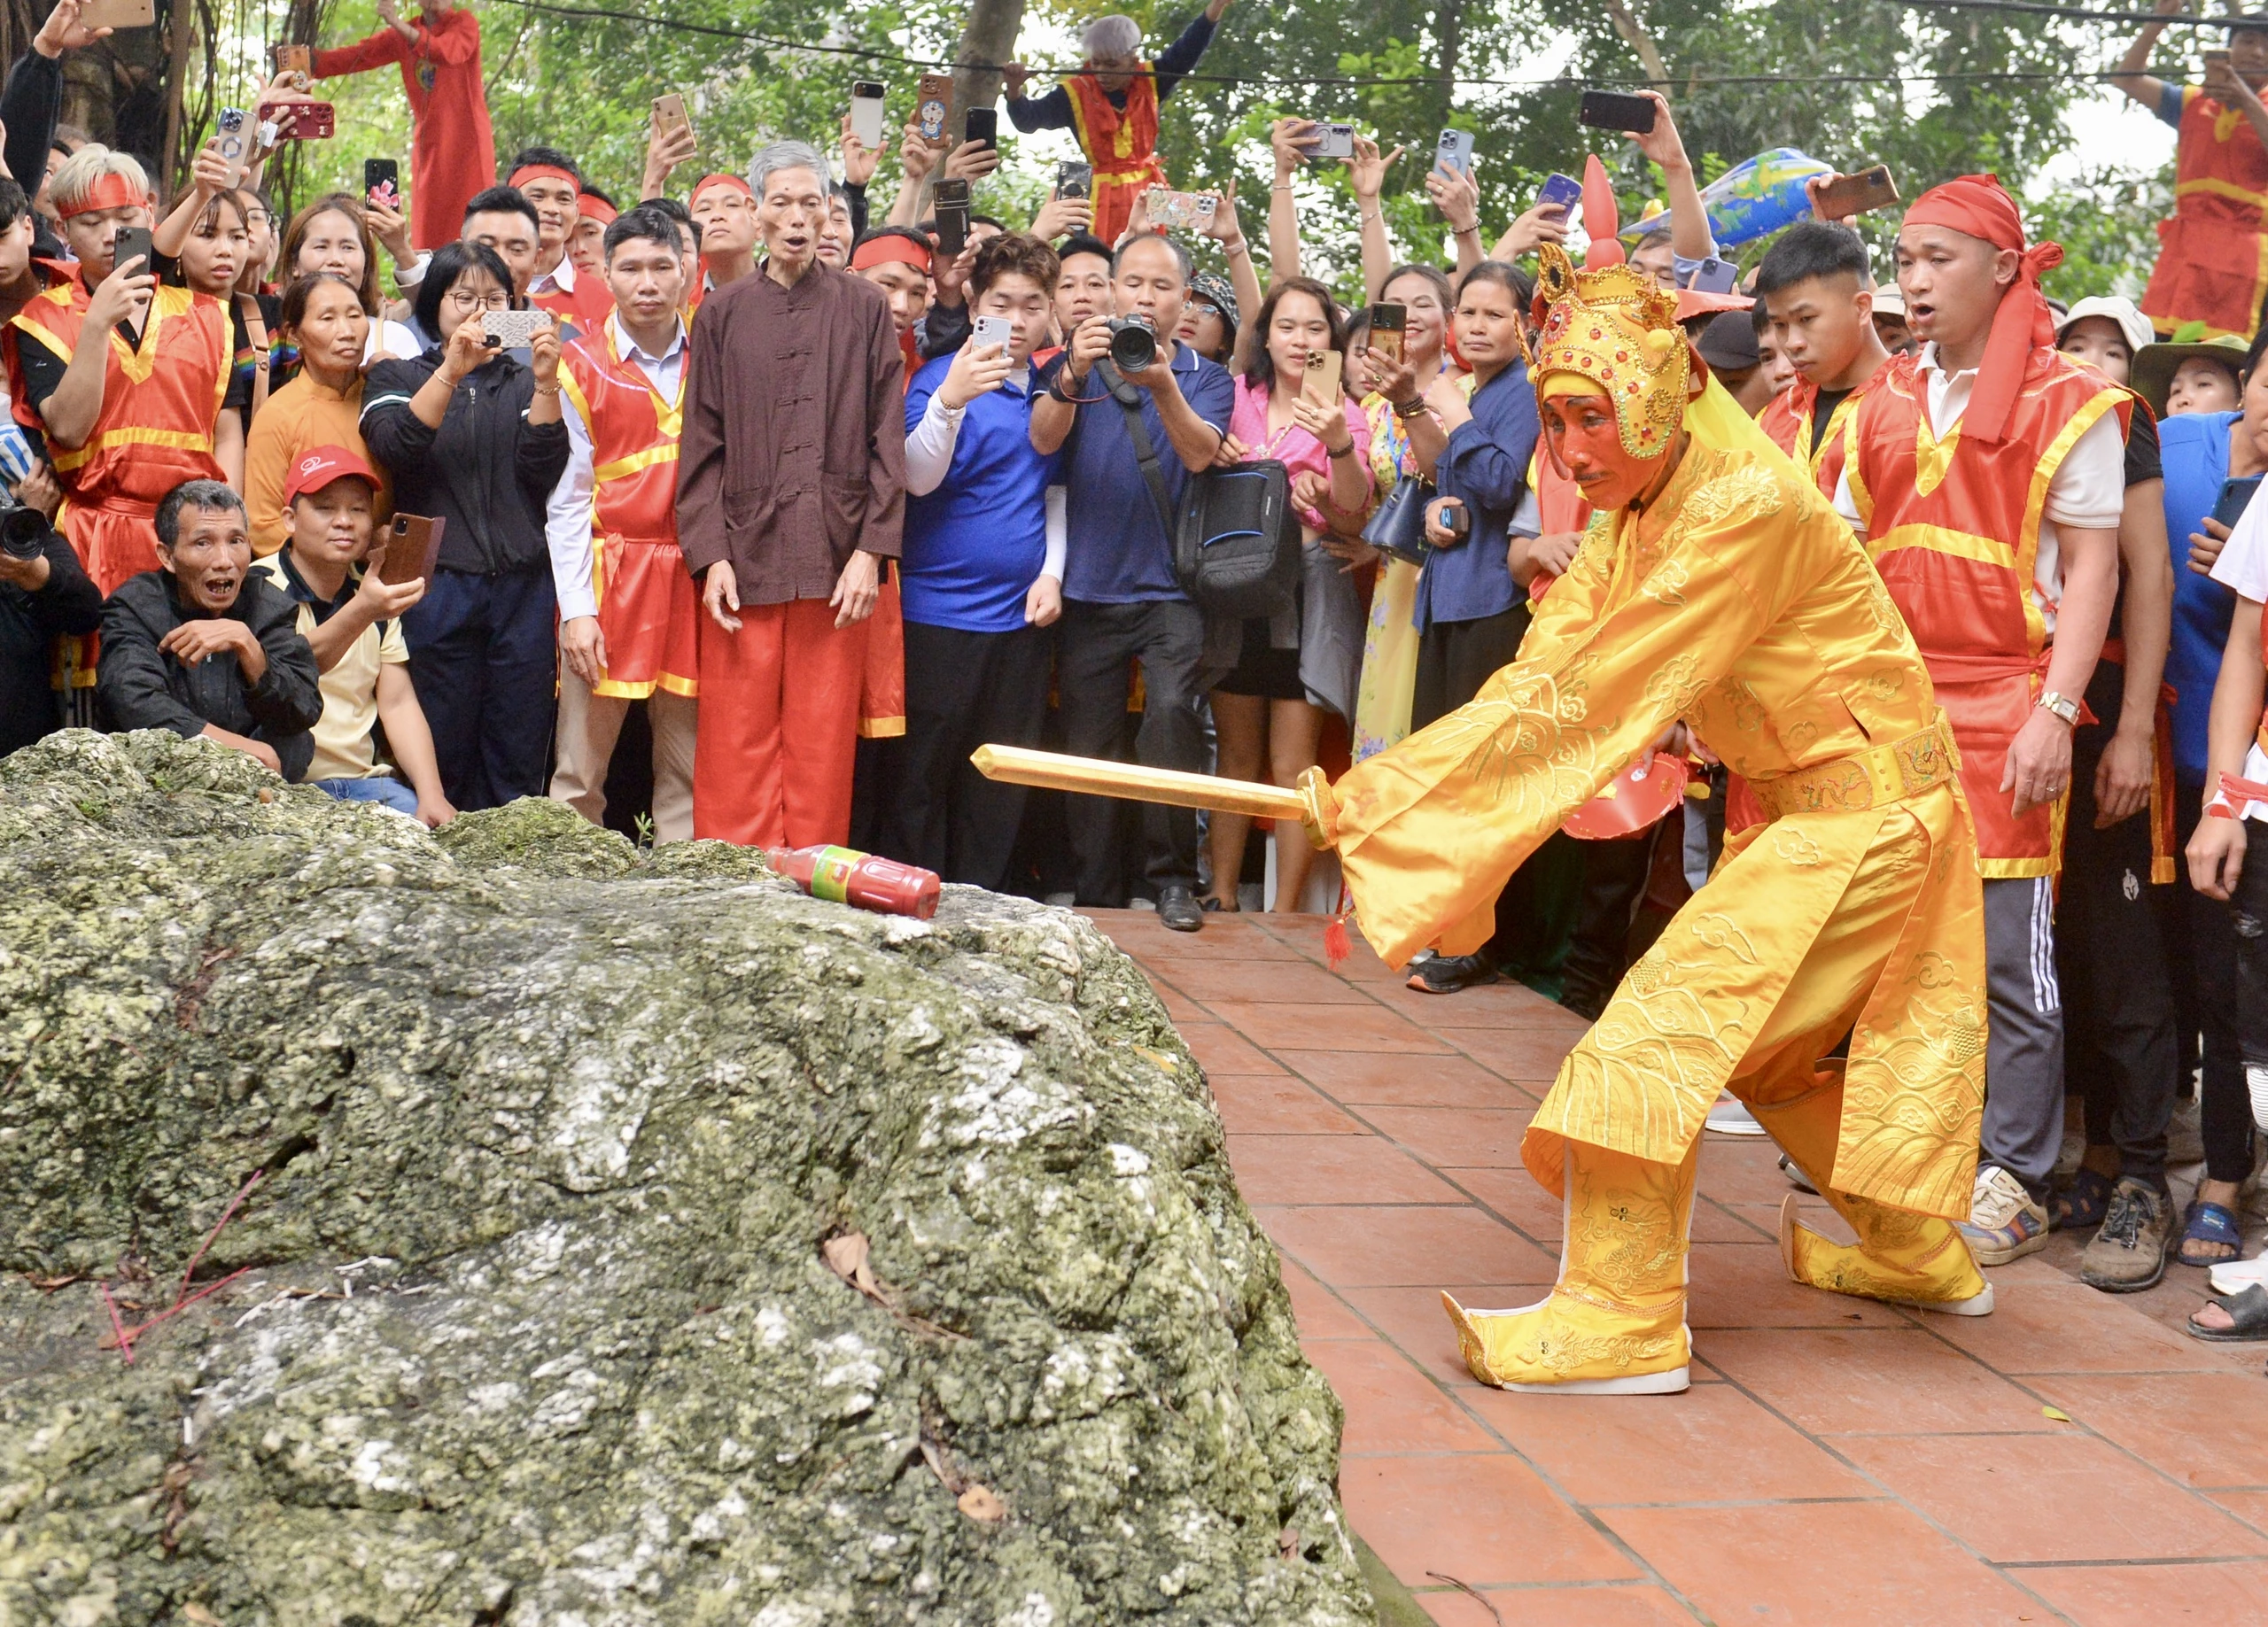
x=1486 y=464
x=2194 y=447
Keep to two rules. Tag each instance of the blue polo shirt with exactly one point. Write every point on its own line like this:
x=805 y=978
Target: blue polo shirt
x=2194 y=448
x=1116 y=551
x=1484 y=463
x=974 y=545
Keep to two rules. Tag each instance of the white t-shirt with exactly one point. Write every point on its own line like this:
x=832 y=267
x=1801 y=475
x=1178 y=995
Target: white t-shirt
x=2089 y=491
x=2243 y=568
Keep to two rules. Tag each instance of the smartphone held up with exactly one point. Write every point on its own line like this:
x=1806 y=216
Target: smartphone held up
x=866 y=112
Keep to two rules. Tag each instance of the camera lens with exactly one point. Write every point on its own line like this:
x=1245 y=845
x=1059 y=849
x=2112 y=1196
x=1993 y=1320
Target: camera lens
x=1133 y=347
x=23 y=531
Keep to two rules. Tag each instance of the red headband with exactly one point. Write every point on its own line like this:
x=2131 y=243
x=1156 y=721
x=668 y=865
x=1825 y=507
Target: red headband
x=1980 y=206
x=734 y=181
x=881 y=250
x=594 y=209
x=112 y=192
x=539 y=172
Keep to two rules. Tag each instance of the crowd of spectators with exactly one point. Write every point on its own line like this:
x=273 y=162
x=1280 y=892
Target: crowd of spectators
x=807 y=507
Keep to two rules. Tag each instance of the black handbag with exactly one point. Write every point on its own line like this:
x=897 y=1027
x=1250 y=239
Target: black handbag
x=1236 y=541
x=1398 y=526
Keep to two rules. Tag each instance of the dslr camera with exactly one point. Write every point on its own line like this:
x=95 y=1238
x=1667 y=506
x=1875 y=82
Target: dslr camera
x=1133 y=343
x=23 y=529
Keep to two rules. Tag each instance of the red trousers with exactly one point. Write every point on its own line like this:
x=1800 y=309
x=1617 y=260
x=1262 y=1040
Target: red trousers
x=779 y=727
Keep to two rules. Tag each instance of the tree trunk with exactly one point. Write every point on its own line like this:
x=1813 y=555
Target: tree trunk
x=989 y=38
x=1448 y=36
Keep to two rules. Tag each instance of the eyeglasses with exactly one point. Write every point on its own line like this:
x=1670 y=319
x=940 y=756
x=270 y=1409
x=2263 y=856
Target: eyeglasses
x=467 y=299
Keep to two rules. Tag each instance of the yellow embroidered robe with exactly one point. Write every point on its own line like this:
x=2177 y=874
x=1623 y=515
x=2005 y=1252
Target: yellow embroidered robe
x=1738 y=601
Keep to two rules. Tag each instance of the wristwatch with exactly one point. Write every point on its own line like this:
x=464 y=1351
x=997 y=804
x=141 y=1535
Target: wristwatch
x=2062 y=706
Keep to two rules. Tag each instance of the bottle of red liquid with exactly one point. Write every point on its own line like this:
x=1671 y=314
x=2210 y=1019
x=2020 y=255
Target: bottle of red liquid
x=863 y=880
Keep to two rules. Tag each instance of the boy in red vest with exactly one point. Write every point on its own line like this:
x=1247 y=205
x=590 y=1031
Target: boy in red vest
x=1813 y=284
x=1112 y=104
x=1988 y=475
x=2210 y=263
x=627 y=608
x=451 y=151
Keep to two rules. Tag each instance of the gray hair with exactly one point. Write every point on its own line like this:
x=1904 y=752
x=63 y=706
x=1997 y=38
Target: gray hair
x=784 y=155
x=204 y=496
x=1180 y=255
x=1115 y=35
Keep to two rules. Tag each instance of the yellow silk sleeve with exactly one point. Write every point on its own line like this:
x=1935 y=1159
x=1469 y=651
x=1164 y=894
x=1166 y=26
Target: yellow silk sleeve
x=1429 y=830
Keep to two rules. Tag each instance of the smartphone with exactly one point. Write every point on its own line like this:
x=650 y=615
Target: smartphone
x=1331 y=141
x=1188 y=211
x=933 y=105
x=296 y=60
x=413 y=546
x=119 y=14
x=670 y=114
x=382 y=184
x=1388 y=323
x=992 y=330
x=1848 y=195
x=866 y=112
x=514 y=329
x=1456 y=519
x=1075 y=180
x=129 y=241
x=2235 y=494
x=1454 y=151
x=1565 y=191
x=1617 y=110
x=950 y=223
x=307 y=121
x=983 y=125
x=230 y=140
x=1320 y=383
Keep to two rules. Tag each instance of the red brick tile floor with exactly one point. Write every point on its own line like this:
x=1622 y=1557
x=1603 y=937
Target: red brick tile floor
x=1834 y=1462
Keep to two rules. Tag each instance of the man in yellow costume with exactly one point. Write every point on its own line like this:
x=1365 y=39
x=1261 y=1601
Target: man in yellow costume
x=1714 y=586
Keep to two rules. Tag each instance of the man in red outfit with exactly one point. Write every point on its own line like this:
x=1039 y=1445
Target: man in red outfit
x=453 y=153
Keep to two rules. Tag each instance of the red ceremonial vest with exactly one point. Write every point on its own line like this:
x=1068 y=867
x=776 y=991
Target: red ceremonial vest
x=647 y=605
x=2212 y=258
x=1121 y=146
x=1786 y=421
x=1953 y=527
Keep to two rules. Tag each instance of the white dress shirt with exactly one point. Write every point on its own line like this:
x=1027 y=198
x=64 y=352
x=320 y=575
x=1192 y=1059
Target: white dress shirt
x=567 y=517
x=2088 y=491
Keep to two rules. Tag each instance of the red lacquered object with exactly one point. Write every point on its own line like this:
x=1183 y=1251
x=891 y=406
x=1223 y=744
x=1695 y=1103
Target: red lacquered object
x=1632 y=800
x=863 y=880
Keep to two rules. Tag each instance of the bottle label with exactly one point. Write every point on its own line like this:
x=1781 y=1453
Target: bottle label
x=831 y=873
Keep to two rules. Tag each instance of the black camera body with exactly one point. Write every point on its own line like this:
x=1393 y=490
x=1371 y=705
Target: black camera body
x=1133 y=343
x=23 y=529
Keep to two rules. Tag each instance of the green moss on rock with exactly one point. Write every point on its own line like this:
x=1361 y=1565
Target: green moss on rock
x=536 y=1326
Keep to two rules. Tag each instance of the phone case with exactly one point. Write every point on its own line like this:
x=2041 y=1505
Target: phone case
x=867 y=113
x=1332 y=141
x=992 y=330
x=1454 y=151
x=1321 y=383
x=1871 y=189
x=934 y=106
x=308 y=120
x=951 y=190
x=412 y=545
x=1564 y=190
x=670 y=113
x=1075 y=180
x=119 y=14
x=511 y=330
x=1187 y=211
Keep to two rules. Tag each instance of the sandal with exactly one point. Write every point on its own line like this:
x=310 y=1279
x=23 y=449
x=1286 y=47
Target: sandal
x=2214 y=1225
x=2247 y=1319
x=2082 y=1204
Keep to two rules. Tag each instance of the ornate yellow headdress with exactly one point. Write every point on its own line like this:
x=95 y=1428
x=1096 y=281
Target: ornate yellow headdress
x=1610 y=325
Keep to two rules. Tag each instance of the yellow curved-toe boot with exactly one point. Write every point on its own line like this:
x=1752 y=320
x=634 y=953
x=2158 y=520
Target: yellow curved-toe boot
x=1916 y=1260
x=1614 y=1324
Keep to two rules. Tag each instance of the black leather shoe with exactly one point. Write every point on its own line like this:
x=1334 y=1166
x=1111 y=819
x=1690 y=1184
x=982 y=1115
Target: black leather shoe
x=1446 y=974
x=1177 y=910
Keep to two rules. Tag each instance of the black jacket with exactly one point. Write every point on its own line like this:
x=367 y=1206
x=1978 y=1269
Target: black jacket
x=138 y=686
x=30 y=103
x=486 y=472
x=29 y=624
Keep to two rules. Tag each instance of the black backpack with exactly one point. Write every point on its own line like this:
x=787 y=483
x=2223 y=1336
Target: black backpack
x=1236 y=542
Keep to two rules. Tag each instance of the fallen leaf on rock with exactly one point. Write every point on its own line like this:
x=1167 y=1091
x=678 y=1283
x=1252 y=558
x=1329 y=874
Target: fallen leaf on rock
x=846 y=1256
x=202 y=1616
x=1160 y=1057
x=979 y=1504
x=1287 y=1542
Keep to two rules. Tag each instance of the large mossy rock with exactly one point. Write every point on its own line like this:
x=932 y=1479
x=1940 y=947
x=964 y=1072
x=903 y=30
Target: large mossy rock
x=552 y=1309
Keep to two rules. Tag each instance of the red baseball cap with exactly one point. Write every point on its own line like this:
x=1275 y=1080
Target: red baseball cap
x=317 y=467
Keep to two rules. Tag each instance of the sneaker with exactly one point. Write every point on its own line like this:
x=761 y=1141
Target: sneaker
x=1447 y=975
x=1177 y=910
x=2128 y=1254
x=2005 y=1222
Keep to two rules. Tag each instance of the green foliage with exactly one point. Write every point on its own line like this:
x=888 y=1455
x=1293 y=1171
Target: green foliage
x=2106 y=222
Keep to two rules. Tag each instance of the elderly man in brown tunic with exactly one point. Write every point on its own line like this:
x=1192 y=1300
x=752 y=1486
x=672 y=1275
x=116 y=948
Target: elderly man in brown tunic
x=791 y=491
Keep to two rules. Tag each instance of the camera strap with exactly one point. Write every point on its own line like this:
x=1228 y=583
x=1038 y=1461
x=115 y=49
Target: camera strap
x=1145 y=451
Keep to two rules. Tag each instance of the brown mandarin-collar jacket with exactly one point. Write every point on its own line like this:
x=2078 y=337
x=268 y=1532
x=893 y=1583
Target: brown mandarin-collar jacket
x=793 y=454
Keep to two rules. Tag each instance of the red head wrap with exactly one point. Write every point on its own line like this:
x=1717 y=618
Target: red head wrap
x=594 y=209
x=1980 y=206
x=539 y=172
x=886 y=247
x=112 y=192
x=721 y=179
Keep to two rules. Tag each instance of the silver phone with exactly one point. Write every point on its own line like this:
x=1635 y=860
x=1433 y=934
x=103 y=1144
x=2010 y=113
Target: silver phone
x=992 y=330
x=866 y=112
x=514 y=329
x=1331 y=141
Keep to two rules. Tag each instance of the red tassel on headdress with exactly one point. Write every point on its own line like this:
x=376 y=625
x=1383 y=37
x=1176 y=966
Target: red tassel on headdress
x=1336 y=949
x=1602 y=217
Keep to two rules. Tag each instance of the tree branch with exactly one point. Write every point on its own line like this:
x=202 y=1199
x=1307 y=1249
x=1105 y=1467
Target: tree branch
x=1634 y=35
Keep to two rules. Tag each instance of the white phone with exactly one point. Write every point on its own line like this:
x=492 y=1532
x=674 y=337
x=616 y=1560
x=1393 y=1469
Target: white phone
x=992 y=330
x=866 y=112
